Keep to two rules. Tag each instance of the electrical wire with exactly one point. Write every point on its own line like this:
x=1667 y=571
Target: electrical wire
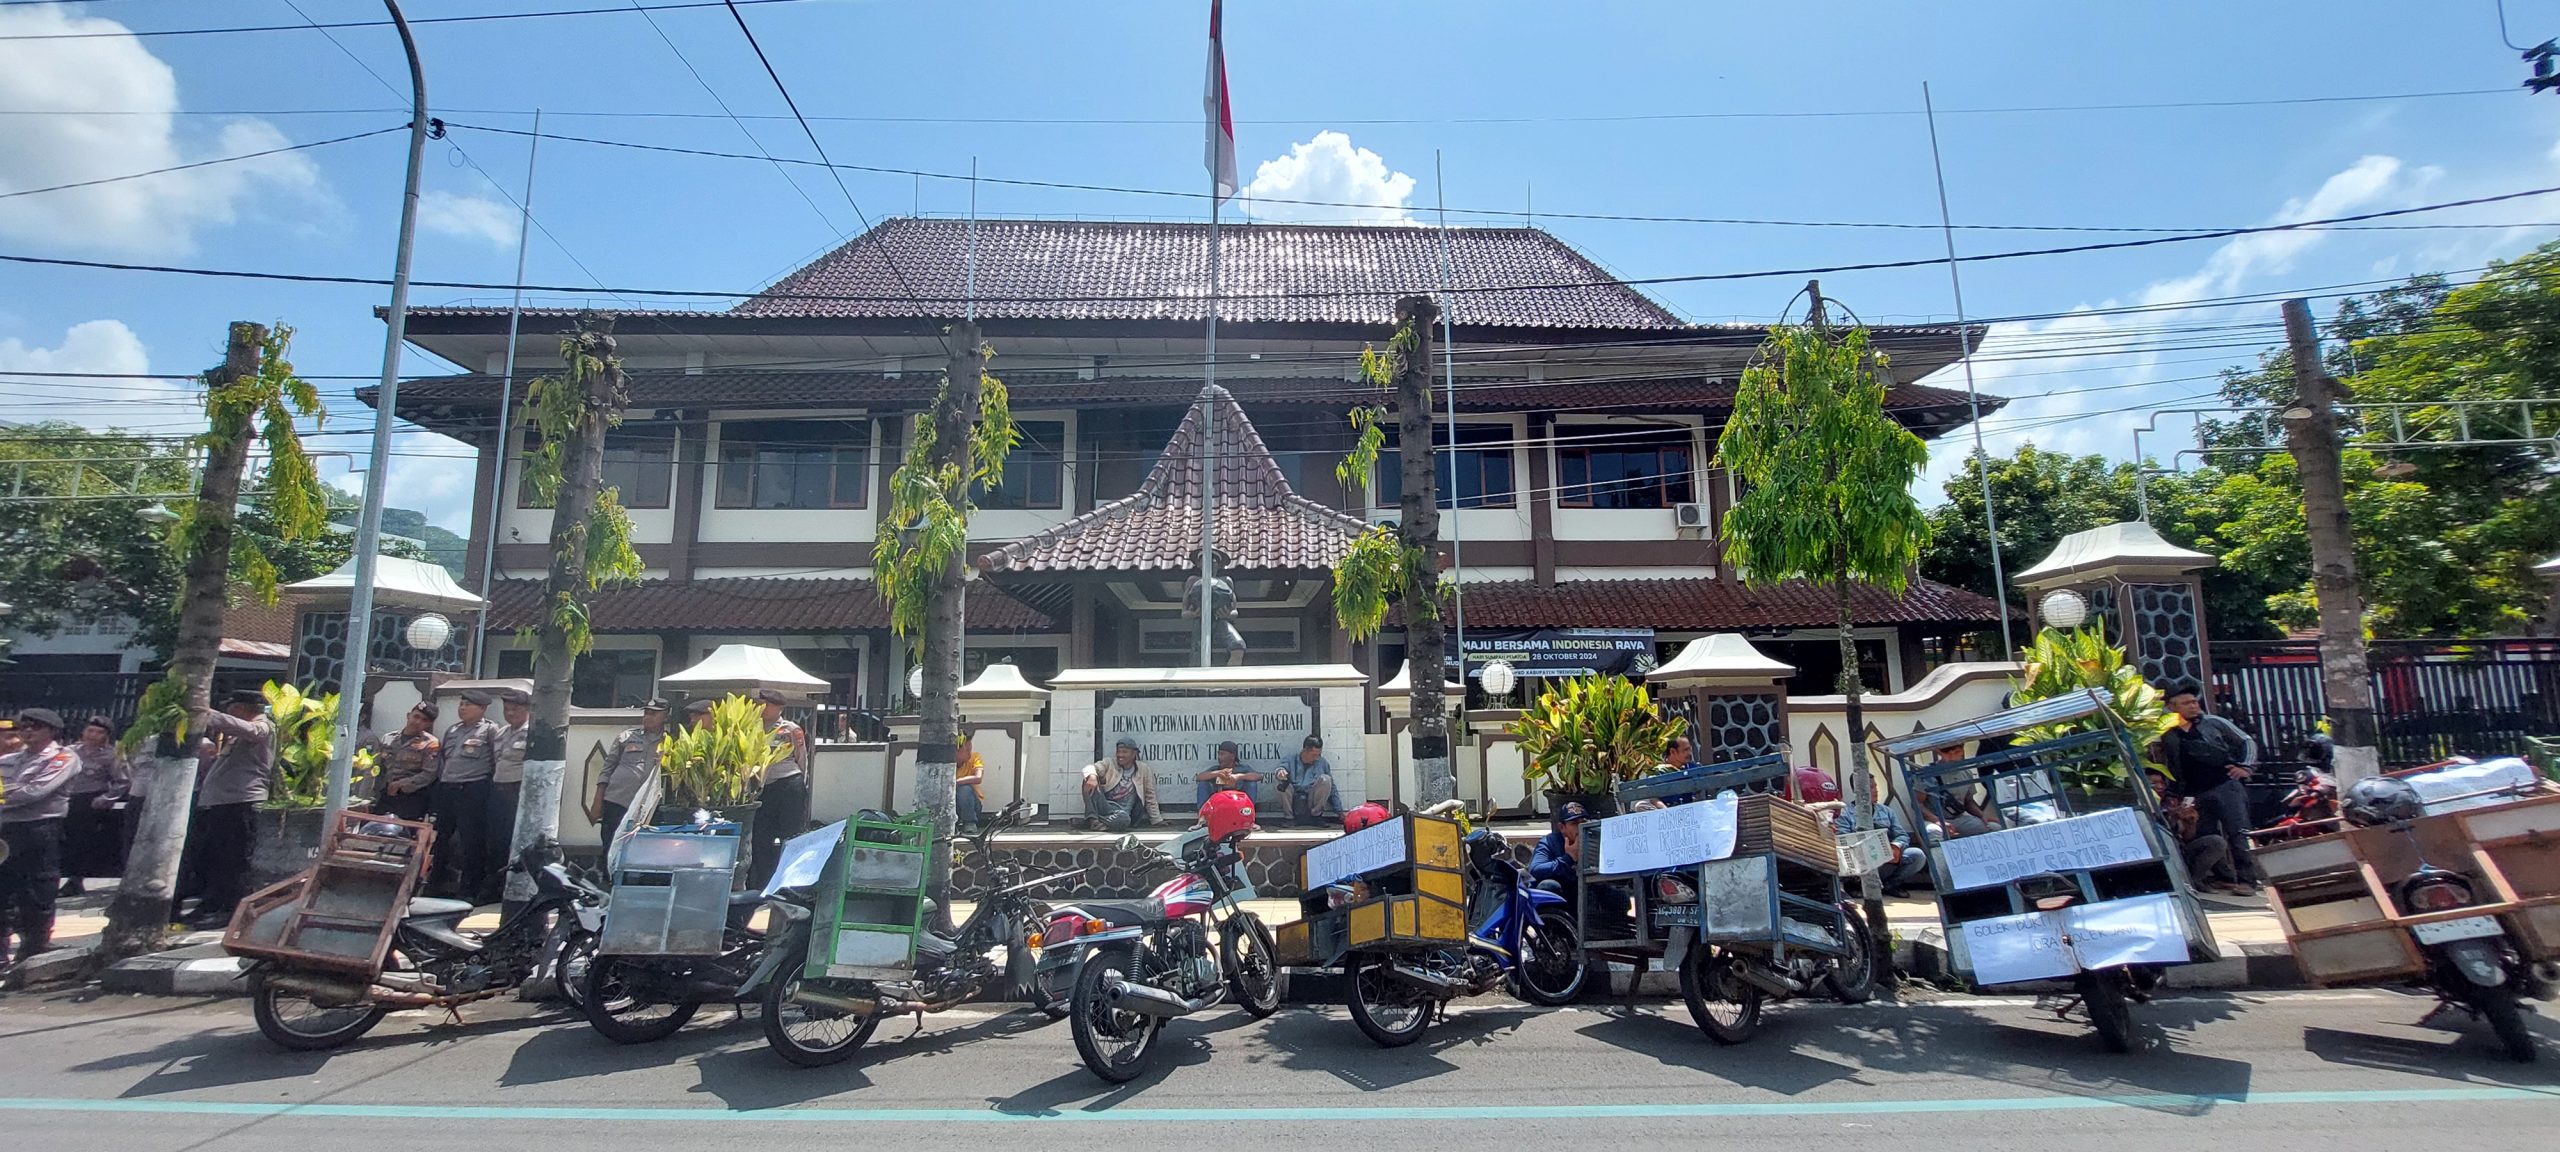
x=276 y=151
x=482 y=18
x=743 y=130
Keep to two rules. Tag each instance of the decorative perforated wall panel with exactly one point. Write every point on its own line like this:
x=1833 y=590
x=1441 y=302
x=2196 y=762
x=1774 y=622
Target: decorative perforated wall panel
x=322 y=639
x=1743 y=726
x=2167 y=633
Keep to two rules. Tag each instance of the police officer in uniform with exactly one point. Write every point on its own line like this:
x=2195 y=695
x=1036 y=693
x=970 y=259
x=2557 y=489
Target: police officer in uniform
x=470 y=760
x=505 y=788
x=404 y=765
x=628 y=761
x=783 y=810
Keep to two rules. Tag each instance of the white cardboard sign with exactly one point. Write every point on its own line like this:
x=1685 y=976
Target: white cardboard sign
x=804 y=858
x=2093 y=841
x=1371 y=848
x=2052 y=945
x=1669 y=837
x=2012 y=949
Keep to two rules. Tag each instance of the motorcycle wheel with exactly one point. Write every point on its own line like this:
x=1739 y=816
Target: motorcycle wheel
x=1114 y=1044
x=293 y=1021
x=1726 y=1006
x=2506 y=1017
x=1852 y=978
x=1550 y=973
x=2105 y=994
x=569 y=966
x=1388 y=1013
x=620 y=1015
x=1252 y=964
x=804 y=1034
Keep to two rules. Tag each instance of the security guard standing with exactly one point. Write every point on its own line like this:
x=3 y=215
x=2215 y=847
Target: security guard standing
x=628 y=761
x=470 y=760
x=404 y=765
x=506 y=788
x=783 y=806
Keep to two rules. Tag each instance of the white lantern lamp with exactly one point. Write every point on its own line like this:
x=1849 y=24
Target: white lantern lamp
x=1497 y=677
x=2063 y=608
x=915 y=683
x=428 y=631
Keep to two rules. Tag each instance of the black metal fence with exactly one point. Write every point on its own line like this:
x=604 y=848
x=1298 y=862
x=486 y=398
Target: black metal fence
x=114 y=695
x=2432 y=698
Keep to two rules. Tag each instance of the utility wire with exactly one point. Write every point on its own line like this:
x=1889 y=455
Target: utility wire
x=201 y=163
x=481 y=18
x=743 y=130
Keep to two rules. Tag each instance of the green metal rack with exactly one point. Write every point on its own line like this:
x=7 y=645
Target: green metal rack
x=871 y=904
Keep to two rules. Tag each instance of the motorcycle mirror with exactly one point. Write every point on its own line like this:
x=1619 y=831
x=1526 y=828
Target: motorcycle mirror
x=1129 y=842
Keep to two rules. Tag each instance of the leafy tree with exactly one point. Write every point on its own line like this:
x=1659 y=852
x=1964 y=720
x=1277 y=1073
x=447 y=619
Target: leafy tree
x=2041 y=497
x=78 y=547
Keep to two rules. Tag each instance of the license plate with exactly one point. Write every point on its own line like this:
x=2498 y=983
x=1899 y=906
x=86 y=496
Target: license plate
x=2448 y=931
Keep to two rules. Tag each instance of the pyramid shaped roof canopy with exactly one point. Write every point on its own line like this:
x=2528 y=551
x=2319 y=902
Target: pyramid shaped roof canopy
x=2131 y=545
x=397 y=583
x=1263 y=525
x=743 y=668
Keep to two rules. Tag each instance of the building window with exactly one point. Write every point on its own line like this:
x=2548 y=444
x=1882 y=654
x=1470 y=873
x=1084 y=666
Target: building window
x=1476 y=475
x=801 y=464
x=1648 y=469
x=1035 y=472
x=639 y=464
x=603 y=678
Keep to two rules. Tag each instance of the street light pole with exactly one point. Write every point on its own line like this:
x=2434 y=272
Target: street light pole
x=357 y=661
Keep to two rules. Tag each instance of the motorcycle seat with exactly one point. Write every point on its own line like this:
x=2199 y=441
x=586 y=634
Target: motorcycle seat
x=1124 y=913
x=424 y=906
x=928 y=944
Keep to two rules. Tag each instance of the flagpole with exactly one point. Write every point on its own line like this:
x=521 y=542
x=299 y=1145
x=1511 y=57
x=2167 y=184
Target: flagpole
x=1972 y=399
x=1220 y=142
x=1449 y=380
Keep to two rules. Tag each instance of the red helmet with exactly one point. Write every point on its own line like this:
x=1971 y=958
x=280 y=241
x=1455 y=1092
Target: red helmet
x=1228 y=814
x=1364 y=816
x=1815 y=785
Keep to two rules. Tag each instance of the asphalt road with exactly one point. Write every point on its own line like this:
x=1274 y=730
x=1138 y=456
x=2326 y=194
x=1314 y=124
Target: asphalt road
x=2335 y=1071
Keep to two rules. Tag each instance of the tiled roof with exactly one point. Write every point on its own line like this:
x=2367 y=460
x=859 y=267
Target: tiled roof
x=749 y=604
x=1262 y=524
x=1706 y=604
x=1270 y=273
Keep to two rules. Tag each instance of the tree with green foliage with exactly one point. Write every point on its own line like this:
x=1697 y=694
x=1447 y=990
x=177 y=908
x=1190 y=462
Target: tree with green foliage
x=954 y=449
x=79 y=547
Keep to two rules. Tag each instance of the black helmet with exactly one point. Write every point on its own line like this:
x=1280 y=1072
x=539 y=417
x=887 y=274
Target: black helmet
x=2381 y=800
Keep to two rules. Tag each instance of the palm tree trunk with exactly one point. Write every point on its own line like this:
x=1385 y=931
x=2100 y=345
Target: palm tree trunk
x=138 y=917
x=945 y=628
x=1418 y=537
x=1862 y=790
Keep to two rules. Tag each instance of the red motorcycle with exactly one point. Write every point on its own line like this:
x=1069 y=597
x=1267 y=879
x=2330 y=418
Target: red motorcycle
x=1143 y=962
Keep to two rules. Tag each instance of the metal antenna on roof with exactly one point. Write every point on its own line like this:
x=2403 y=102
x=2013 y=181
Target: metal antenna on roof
x=1457 y=505
x=506 y=408
x=969 y=307
x=1972 y=399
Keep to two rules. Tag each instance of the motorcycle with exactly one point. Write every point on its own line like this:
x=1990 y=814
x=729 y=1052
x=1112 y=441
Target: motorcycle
x=643 y=999
x=1151 y=962
x=433 y=963
x=2471 y=962
x=1726 y=988
x=1524 y=936
x=814 y=1023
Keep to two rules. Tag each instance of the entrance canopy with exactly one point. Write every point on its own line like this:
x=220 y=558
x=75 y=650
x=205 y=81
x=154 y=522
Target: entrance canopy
x=745 y=668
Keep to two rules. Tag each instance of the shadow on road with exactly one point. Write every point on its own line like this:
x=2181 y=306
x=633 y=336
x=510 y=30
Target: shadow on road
x=1184 y=1043
x=1767 y=1063
x=1322 y=1042
x=2467 y=1054
x=574 y=1051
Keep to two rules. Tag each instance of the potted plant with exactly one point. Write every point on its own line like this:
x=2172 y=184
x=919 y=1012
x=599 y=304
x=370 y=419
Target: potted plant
x=2059 y=662
x=290 y=822
x=1579 y=739
x=717 y=766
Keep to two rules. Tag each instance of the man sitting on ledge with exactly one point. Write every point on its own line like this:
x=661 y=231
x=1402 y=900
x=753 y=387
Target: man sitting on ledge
x=1119 y=793
x=1228 y=774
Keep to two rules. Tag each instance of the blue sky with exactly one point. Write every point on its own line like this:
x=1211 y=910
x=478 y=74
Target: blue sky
x=1561 y=105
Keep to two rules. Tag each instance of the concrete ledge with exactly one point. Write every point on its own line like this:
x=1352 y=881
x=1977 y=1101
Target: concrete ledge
x=195 y=970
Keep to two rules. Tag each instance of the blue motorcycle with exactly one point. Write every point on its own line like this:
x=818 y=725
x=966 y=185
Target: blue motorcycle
x=1522 y=936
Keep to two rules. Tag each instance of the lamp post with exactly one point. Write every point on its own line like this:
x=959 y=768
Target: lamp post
x=2063 y=608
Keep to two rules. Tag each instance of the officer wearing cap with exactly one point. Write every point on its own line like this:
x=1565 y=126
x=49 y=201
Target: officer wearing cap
x=469 y=759
x=506 y=785
x=228 y=793
x=32 y=807
x=405 y=764
x=628 y=763
x=783 y=810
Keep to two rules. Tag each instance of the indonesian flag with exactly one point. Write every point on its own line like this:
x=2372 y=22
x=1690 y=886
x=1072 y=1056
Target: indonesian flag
x=1220 y=155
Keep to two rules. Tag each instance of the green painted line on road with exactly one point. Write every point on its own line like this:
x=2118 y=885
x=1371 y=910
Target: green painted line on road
x=1511 y=1112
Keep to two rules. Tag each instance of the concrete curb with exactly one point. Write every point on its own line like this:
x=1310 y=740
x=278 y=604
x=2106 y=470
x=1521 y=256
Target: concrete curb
x=202 y=969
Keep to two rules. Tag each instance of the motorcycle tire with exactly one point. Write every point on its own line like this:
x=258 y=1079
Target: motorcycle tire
x=1852 y=978
x=816 y=1048
x=1252 y=962
x=2106 y=995
x=621 y=1017
x=569 y=966
x=2506 y=1017
x=1095 y=1022
x=312 y=1027
x=1373 y=992
x=1551 y=973
x=1707 y=978
x=1053 y=992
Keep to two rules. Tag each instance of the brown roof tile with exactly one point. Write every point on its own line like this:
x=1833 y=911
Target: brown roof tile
x=750 y=604
x=1100 y=270
x=1706 y=604
x=1262 y=524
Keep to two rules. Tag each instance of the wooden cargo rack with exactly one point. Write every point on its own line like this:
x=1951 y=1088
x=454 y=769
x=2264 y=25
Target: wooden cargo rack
x=341 y=913
x=2336 y=895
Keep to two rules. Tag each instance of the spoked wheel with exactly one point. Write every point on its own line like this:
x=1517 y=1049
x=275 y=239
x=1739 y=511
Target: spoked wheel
x=806 y=1034
x=569 y=968
x=1726 y=1006
x=1551 y=973
x=1852 y=979
x=2506 y=1017
x=2106 y=994
x=1113 y=1043
x=616 y=997
x=293 y=1020
x=1388 y=1011
x=1252 y=963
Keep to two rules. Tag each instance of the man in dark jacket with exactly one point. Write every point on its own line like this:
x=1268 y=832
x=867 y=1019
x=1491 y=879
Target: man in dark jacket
x=2208 y=758
x=1556 y=863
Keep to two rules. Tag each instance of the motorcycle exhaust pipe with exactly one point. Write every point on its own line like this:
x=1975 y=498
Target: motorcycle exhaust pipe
x=856 y=1006
x=2546 y=980
x=1427 y=981
x=1768 y=980
x=320 y=990
x=1150 y=1001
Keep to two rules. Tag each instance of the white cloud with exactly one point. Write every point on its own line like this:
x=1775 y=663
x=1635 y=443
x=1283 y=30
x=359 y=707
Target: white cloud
x=1329 y=169
x=83 y=78
x=106 y=401
x=469 y=217
x=429 y=473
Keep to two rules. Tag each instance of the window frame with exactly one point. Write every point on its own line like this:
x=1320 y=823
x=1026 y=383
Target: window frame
x=1052 y=456
x=649 y=432
x=1569 y=494
x=1505 y=441
x=857 y=443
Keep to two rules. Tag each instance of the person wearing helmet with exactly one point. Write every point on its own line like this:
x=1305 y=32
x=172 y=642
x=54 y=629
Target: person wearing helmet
x=1228 y=815
x=2208 y=758
x=1365 y=815
x=1119 y=792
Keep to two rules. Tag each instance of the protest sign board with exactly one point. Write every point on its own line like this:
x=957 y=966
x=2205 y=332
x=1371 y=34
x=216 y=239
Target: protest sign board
x=2093 y=841
x=1669 y=837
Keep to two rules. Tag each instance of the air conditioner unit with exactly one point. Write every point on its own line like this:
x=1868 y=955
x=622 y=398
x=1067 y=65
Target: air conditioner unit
x=1690 y=515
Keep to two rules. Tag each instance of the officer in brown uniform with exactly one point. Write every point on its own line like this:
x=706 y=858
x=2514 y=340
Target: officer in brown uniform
x=404 y=765
x=783 y=806
x=628 y=761
x=506 y=786
x=462 y=795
